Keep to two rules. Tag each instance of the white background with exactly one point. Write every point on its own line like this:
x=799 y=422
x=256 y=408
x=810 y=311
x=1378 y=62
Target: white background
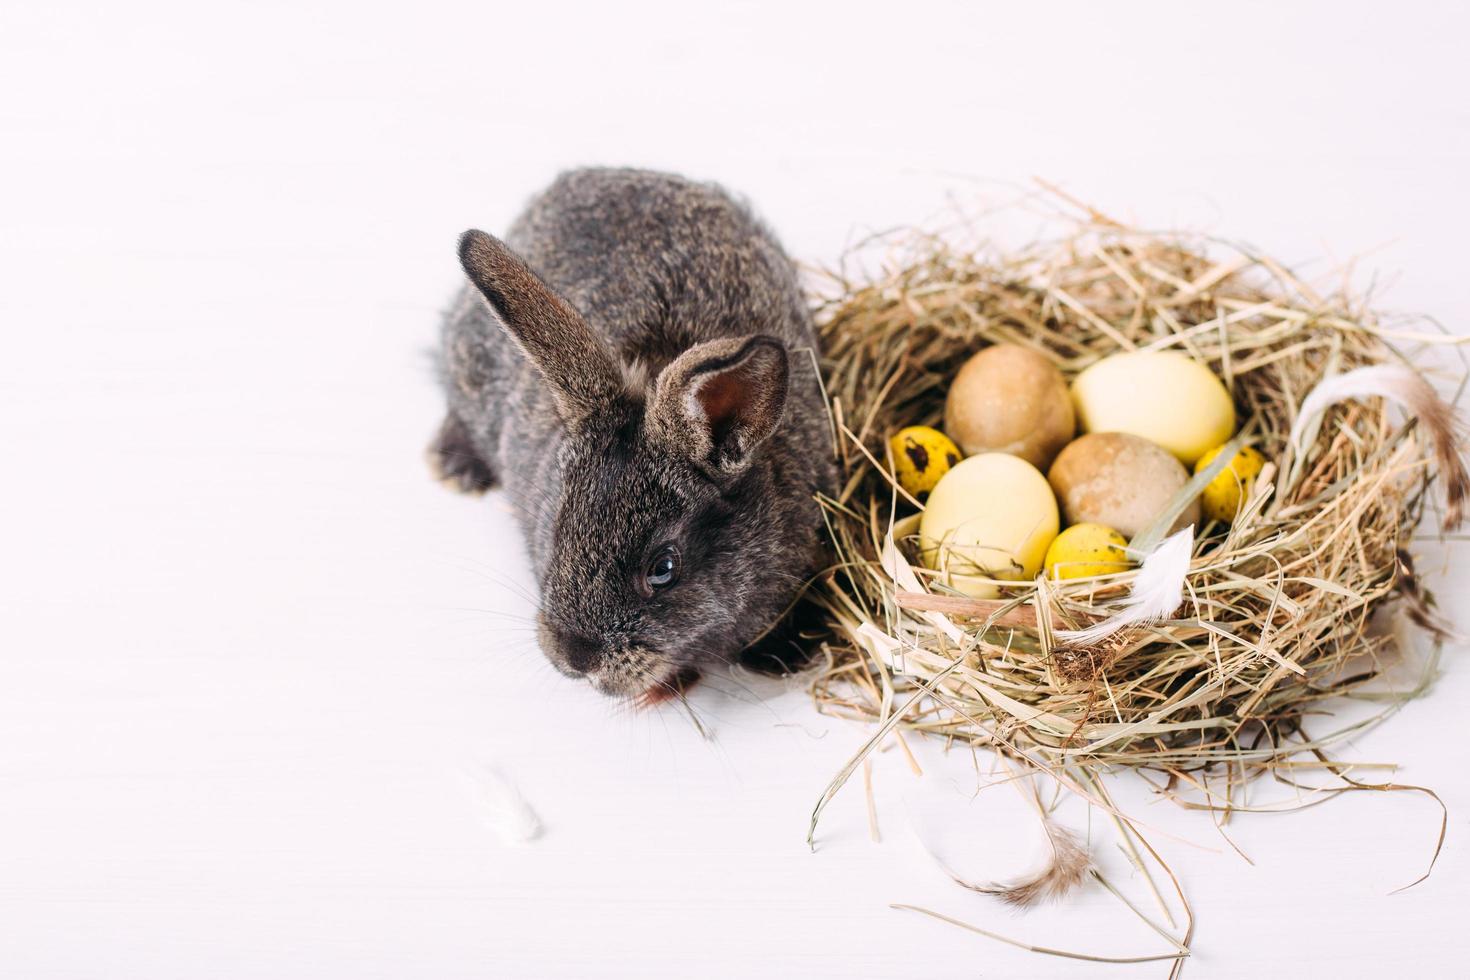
x=250 y=653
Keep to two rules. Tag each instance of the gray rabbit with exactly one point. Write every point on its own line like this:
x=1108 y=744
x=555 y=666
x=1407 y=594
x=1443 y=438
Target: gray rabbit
x=632 y=366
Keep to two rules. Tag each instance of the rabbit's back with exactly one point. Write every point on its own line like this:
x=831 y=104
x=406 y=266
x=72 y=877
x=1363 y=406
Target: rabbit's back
x=658 y=263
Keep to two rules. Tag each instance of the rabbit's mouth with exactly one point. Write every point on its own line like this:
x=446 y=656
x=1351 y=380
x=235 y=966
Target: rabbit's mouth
x=642 y=676
x=675 y=684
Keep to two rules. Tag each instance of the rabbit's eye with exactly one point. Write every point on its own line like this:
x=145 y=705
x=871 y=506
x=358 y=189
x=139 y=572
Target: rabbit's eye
x=663 y=571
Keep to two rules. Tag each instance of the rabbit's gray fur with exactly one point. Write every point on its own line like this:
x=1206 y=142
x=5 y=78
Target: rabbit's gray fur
x=649 y=383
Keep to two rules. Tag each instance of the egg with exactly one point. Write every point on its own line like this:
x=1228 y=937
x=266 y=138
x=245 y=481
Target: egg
x=921 y=456
x=1224 y=494
x=1085 y=550
x=991 y=517
x=1120 y=481
x=1162 y=396
x=1010 y=399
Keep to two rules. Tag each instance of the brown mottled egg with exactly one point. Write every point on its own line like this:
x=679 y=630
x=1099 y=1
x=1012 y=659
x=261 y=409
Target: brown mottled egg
x=1118 y=480
x=1010 y=399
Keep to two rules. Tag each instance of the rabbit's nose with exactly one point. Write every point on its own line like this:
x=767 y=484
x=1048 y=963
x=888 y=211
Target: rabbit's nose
x=578 y=652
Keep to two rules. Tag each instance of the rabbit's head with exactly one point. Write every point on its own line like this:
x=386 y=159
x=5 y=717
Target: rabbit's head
x=679 y=530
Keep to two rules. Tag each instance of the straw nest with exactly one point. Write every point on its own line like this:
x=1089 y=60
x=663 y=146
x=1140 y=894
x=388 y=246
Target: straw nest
x=1279 y=610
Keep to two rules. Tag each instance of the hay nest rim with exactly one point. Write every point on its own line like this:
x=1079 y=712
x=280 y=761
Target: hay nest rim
x=1281 y=606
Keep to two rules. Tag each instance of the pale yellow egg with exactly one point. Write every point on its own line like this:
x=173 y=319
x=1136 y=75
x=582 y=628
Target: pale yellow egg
x=990 y=517
x=1165 y=397
x=1085 y=550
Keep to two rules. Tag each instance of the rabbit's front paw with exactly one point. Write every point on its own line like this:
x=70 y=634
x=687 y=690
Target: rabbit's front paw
x=454 y=461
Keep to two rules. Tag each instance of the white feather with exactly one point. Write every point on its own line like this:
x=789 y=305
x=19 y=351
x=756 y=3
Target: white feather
x=1064 y=867
x=1380 y=380
x=1158 y=590
x=499 y=805
x=1418 y=399
x=1015 y=863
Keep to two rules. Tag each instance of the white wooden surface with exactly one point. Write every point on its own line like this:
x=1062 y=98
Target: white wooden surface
x=248 y=651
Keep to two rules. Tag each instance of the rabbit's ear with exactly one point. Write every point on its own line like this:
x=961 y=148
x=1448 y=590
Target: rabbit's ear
x=576 y=364
x=718 y=400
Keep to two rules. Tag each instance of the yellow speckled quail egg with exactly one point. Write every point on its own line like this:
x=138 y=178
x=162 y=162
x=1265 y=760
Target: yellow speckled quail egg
x=1224 y=494
x=1162 y=396
x=921 y=456
x=1085 y=550
x=991 y=517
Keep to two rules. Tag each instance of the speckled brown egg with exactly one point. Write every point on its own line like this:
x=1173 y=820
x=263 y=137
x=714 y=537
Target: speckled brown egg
x=1119 y=480
x=1010 y=399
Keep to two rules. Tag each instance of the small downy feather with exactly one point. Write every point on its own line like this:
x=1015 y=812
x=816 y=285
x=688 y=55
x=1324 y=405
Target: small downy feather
x=1064 y=870
x=499 y=805
x=1419 y=399
x=1158 y=590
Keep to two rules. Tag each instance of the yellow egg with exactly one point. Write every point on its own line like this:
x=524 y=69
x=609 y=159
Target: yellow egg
x=921 y=456
x=1165 y=397
x=991 y=517
x=1224 y=494
x=1085 y=550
